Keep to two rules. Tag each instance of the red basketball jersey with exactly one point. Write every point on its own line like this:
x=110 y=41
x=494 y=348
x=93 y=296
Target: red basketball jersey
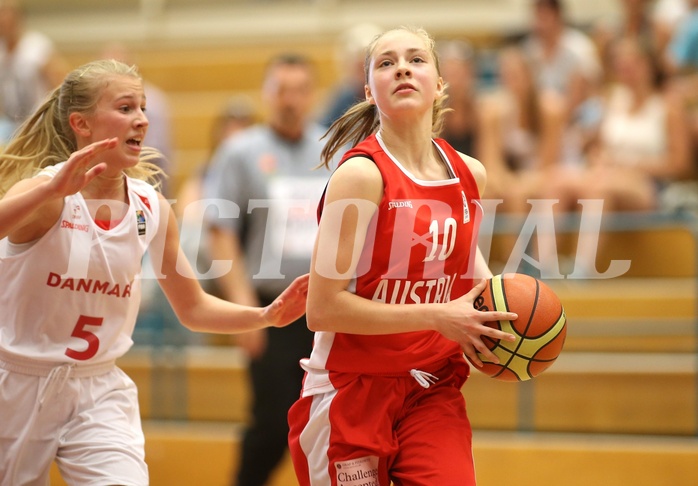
x=420 y=248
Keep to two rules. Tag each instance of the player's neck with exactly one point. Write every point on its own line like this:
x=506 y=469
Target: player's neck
x=413 y=151
x=106 y=187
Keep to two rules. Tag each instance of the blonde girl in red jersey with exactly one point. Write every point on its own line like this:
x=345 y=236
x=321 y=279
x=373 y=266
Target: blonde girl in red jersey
x=76 y=216
x=391 y=289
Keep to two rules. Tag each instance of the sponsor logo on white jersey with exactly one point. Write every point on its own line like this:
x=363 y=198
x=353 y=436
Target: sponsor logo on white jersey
x=74 y=226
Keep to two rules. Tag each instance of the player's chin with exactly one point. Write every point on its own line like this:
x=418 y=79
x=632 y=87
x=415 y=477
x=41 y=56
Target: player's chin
x=131 y=158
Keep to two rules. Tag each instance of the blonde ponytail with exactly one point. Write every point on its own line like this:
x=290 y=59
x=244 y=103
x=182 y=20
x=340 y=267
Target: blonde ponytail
x=38 y=143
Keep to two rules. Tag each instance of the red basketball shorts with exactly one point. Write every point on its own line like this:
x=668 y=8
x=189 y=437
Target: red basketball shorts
x=373 y=429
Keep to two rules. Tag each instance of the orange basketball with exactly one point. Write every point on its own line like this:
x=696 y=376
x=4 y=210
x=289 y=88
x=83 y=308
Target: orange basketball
x=540 y=329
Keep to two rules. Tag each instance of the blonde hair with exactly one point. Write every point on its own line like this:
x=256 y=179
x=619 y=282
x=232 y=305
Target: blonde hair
x=46 y=137
x=361 y=119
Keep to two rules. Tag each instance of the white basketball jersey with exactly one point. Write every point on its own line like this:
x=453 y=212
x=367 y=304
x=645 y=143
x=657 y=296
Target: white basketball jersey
x=73 y=296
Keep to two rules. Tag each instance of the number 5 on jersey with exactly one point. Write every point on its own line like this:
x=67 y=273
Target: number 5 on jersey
x=91 y=338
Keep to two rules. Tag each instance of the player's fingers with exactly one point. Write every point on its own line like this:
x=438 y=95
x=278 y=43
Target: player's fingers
x=295 y=295
x=496 y=334
x=477 y=289
x=498 y=316
x=102 y=145
x=301 y=284
x=95 y=171
x=85 y=154
x=486 y=353
x=94 y=148
x=472 y=355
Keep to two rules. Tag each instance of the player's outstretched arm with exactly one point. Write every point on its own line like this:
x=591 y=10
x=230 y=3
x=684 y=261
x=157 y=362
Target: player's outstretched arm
x=203 y=312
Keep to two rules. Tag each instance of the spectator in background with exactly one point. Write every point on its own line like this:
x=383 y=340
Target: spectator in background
x=567 y=74
x=459 y=72
x=267 y=172
x=511 y=129
x=635 y=21
x=643 y=141
x=665 y=16
x=681 y=58
x=350 y=58
x=642 y=146
x=564 y=58
x=30 y=67
x=513 y=134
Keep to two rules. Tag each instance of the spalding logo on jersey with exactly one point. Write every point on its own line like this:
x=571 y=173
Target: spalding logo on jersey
x=140 y=220
x=466 y=210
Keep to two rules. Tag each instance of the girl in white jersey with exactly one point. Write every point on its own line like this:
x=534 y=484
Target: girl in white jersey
x=392 y=286
x=76 y=216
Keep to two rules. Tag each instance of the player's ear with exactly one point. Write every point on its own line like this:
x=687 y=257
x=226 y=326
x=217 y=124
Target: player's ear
x=79 y=124
x=440 y=87
x=369 y=96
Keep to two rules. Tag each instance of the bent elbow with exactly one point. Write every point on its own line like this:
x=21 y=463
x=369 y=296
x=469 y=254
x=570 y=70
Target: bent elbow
x=187 y=321
x=317 y=317
x=188 y=316
x=313 y=320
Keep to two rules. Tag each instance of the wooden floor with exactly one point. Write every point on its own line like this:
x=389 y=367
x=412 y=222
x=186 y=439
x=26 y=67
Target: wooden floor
x=582 y=460
x=177 y=452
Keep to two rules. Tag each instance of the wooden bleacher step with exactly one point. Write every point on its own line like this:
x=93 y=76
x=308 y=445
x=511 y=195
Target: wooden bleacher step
x=627 y=298
x=600 y=392
x=639 y=334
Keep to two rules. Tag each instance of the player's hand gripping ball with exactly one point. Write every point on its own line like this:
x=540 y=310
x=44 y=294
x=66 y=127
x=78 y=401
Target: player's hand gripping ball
x=540 y=329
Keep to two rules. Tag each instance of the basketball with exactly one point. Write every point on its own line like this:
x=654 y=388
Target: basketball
x=540 y=329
